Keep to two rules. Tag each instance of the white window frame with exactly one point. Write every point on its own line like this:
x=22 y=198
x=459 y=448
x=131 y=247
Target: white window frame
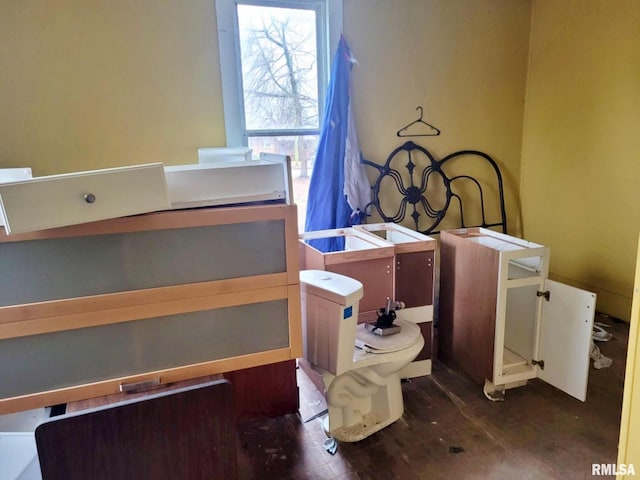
x=329 y=29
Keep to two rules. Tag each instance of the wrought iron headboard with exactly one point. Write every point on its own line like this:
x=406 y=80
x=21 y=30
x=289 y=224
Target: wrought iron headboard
x=414 y=189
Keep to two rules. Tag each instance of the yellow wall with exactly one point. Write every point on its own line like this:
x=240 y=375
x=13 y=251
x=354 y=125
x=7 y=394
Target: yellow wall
x=96 y=84
x=464 y=62
x=629 y=446
x=93 y=84
x=581 y=168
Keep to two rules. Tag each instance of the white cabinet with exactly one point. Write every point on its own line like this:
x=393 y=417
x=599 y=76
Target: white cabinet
x=503 y=322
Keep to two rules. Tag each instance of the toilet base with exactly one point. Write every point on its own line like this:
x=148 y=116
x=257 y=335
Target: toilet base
x=359 y=408
x=370 y=424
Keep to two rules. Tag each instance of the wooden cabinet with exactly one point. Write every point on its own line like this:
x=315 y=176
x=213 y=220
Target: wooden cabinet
x=391 y=261
x=502 y=321
x=93 y=309
x=413 y=283
x=367 y=258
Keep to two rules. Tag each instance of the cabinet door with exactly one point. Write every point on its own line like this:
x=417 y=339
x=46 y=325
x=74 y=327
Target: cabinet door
x=565 y=338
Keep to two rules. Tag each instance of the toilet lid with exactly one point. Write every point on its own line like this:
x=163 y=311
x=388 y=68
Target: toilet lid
x=408 y=335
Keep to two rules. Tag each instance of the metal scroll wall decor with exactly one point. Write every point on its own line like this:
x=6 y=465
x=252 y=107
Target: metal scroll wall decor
x=427 y=192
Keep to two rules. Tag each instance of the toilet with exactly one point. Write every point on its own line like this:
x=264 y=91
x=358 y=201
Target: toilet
x=360 y=370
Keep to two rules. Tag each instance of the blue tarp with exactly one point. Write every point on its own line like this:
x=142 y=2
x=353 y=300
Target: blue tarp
x=328 y=205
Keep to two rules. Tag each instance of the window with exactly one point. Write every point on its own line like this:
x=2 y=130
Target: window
x=274 y=58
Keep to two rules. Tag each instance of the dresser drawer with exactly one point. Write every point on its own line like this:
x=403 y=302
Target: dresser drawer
x=8 y=175
x=225 y=183
x=68 y=199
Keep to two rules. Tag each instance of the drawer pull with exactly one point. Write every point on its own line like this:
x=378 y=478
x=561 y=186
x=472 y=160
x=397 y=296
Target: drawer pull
x=89 y=197
x=139 y=386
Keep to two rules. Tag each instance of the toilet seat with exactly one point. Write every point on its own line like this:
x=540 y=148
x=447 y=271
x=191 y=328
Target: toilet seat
x=381 y=344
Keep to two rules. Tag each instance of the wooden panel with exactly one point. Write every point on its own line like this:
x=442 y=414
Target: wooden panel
x=414 y=278
x=311 y=259
x=68 y=199
x=468 y=288
x=276 y=383
x=105 y=400
x=187 y=434
x=266 y=390
x=376 y=278
x=446 y=299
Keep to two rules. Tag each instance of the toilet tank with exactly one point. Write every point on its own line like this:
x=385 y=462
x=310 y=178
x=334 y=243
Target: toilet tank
x=329 y=319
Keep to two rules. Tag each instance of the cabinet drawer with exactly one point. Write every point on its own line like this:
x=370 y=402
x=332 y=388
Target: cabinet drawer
x=225 y=184
x=68 y=199
x=12 y=175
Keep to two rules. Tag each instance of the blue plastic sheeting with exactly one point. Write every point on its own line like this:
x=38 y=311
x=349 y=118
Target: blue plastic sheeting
x=327 y=205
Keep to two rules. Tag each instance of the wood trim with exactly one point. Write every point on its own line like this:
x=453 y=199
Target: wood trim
x=413 y=247
x=108 y=387
x=127 y=313
x=380 y=248
x=291 y=245
x=161 y=221
x=109 y=301
x=419 y=243
x=295 y=321
x=358 y=255
x=485 y=232
x=314 y=259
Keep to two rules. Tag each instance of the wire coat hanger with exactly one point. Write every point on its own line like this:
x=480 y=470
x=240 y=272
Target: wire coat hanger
x=433 y=131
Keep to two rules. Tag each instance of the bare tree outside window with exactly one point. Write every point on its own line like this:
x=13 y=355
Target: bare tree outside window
x=280 y=81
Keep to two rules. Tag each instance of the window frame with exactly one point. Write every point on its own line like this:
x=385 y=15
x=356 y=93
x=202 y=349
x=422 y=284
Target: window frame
x=328 y=29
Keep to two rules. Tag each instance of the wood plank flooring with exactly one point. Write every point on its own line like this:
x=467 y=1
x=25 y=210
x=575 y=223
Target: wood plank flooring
x=449 y=430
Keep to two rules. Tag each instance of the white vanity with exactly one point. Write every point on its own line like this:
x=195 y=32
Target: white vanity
x=503 y=322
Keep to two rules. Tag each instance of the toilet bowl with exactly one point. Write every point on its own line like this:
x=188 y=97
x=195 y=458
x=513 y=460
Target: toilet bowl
x=360 y=370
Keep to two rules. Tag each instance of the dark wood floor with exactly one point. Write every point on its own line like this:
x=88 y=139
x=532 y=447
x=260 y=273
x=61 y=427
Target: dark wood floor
x=449 y=430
